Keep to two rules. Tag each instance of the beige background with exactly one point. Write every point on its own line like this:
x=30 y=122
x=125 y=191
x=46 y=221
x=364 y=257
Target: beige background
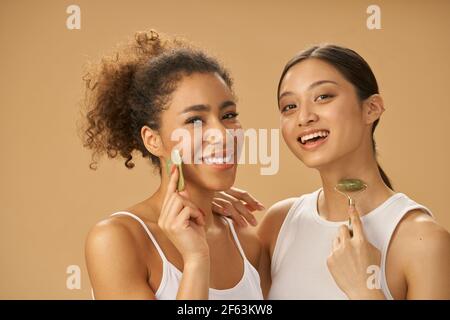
x=49 y=197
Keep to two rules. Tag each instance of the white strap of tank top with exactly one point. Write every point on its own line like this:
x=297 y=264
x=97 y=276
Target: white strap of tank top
x=236 y=239
x=152 y=238
x=230 y=223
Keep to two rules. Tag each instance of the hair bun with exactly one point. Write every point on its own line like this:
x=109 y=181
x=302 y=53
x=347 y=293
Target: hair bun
x=143 y=37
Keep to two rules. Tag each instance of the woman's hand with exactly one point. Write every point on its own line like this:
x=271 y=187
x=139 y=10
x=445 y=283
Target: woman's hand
x=353 y=260
x=183 y=223
x=238 y=205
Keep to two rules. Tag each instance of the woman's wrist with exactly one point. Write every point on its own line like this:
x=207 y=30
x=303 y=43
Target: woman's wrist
x=195 y=281
x=197 y=261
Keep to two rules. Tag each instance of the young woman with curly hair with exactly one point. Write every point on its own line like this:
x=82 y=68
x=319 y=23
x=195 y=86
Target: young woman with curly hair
x=170 y=245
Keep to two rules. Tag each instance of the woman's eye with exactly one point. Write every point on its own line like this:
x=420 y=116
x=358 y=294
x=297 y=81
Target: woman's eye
x=288 y=107
x=230 y=115
x=194 y=120
x=323 y=97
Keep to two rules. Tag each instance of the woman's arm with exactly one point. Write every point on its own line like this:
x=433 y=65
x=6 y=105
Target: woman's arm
x=267 y=231
x=264 y=271
x=423 y=248
x=116 y=269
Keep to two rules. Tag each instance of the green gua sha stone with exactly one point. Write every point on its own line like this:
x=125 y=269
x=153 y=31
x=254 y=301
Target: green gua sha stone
x=176 y=158
x=350 y=185
x=168 y=166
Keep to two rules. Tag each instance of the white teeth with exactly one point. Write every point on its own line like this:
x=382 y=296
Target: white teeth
x=314 y=135
x=217 y=160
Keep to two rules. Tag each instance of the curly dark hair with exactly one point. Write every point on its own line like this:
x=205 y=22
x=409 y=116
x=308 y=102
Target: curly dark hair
x=131 y=88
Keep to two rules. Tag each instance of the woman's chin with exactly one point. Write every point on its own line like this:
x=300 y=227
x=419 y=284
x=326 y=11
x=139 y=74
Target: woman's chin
x=314 y=163
x=215 y=182
x=221 y=185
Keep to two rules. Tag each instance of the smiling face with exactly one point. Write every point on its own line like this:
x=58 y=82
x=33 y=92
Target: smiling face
x=202 y=99
x=322 y=119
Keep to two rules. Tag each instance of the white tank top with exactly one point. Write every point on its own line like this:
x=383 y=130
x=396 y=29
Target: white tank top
x=248 y=288
x=299 y=269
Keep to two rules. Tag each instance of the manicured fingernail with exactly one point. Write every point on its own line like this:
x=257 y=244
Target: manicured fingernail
x=172 y=170
x=260 y=205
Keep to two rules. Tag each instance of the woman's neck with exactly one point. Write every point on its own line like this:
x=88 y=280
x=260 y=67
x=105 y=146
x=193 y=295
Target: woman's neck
x=333 y=205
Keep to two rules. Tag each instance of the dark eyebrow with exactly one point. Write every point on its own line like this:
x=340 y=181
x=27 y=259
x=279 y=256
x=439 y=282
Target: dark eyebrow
x=227 y=103
x=206 y=107
x=285 y=93
x=196 y=107
x=318 y=83
x=311 y=86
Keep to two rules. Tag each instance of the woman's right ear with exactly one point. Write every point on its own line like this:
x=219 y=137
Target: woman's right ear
x=152 y=141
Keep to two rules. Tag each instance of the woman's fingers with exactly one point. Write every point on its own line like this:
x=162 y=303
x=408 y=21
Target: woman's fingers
x=174 y=206
x=238 y=206
x=220 y=209
x=177 y=204
x=187 y=214
x=358 y=231
x=188 y=203
x=217 y=208
x=237 y=212
x=243 y=195
x=185 y=198
x=171 y=208
x=336 y=243
x=230 y=211
x=344 y=233
x=173 y=181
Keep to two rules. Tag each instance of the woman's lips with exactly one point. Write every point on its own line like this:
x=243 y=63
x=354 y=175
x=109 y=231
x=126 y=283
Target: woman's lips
x=220 y=162
x=223 y=166
x=313 y=145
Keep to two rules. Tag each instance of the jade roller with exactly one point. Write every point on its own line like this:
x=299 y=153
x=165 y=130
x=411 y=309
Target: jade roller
x=178 y=161
x=350 y=185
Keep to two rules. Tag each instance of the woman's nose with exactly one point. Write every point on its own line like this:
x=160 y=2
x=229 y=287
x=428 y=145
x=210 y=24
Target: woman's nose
x=215 y=134
x=214 y=137
x=306 y=116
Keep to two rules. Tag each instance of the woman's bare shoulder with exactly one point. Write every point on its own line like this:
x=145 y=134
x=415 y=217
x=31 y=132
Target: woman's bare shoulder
x=419 y=233
x=274 y=216
x=114 y=260
x=271 y=222
x=113 y=236
x=420 y=248
x=118 y=232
